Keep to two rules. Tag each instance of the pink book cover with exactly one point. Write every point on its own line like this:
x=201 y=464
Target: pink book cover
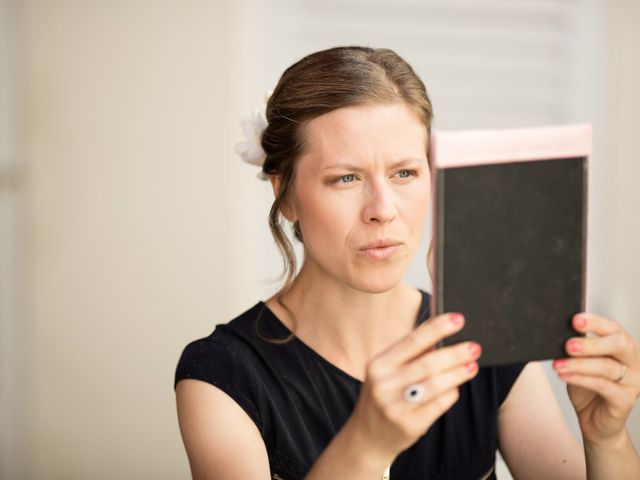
x=510 y=233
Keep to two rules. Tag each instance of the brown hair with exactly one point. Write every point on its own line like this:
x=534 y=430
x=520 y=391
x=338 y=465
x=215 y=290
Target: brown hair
x=320 y=83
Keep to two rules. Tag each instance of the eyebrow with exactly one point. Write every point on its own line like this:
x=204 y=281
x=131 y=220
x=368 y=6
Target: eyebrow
x=400 y=163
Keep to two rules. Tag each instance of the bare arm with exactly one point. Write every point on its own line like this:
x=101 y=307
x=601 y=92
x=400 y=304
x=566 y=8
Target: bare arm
x=535 y=441
x=614 y=459
x=221 y=440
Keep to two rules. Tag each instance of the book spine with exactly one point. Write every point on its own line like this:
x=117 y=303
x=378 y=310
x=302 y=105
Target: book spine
x=585 y=230
x=439 y=232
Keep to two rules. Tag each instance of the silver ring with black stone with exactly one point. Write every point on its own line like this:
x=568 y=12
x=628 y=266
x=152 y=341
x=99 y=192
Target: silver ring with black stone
x=414 y=393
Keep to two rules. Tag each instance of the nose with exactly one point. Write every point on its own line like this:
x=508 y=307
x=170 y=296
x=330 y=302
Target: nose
x=379 y=203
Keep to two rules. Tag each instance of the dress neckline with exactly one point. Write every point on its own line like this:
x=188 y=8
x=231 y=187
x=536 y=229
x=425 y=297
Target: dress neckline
x=422 y=316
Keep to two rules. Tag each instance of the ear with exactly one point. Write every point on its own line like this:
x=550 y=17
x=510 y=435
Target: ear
x=286 y=209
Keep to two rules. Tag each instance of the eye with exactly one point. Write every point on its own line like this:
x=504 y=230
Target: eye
x=350 y=178
x=406 y=173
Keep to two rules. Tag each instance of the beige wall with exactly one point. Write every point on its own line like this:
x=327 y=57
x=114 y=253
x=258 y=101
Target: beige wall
x=127 y=107
x=625 y=218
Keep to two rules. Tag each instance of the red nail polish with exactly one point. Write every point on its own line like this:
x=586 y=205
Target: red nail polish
x=560 y=363
x=574 y=346
x=580 y=322
x=475 y=349
x=456 y=319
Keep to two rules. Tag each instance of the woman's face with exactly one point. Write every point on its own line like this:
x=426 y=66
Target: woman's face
x=361 y=194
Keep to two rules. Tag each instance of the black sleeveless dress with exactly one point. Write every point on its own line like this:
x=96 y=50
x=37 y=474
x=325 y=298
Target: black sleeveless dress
x=299 y=401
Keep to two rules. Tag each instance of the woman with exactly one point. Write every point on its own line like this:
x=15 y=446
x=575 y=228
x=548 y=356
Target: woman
x=337 y=375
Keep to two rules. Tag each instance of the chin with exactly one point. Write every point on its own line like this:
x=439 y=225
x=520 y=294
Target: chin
x=374 y=291
x=378 y=282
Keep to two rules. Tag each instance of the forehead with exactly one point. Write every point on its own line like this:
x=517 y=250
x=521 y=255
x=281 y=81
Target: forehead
x=368 y=132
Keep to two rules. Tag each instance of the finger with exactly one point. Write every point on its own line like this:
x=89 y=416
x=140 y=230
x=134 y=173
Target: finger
x=451 y=379
x=440 y=384
x=603 y=367
x=591 y=323
x=617 y=345
x=436 y=386
x=416 y=422
x=616 y=395
x=435 y=362
x=422 y=338
x=430 y=412
x=441 y=392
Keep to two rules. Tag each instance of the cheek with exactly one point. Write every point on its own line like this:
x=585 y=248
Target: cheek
x=326 y=219
x=415 y=203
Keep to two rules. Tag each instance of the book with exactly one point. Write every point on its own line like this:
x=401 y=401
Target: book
x=510 y=234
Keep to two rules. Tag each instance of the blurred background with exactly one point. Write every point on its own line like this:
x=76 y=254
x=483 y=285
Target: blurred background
x=128 y=227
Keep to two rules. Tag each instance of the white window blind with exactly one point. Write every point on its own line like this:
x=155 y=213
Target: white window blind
x=486 y=63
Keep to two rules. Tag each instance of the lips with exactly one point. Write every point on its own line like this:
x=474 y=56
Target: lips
x=384 y=242
x=380 y=249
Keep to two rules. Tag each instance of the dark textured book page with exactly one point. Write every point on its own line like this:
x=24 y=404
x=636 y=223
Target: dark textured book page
x=510 y=254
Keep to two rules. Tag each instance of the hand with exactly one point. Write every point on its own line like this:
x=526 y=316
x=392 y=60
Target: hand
x=602 y=375
x=383 y=417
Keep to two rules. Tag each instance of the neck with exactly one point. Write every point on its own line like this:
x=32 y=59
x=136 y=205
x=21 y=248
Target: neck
x=346 y=326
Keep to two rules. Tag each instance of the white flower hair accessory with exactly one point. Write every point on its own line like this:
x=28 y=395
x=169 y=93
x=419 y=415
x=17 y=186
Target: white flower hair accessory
x=251 y=149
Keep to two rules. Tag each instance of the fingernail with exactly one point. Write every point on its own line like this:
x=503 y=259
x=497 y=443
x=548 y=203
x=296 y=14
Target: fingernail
x=560 y=364
x=579 y=322
x=574 y=346
x=456 y=319
x=475 y=349
x=471 y=366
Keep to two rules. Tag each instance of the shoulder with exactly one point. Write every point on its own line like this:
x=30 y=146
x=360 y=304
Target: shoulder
x=224 y=360
x=205 y=359
x=226 y=341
